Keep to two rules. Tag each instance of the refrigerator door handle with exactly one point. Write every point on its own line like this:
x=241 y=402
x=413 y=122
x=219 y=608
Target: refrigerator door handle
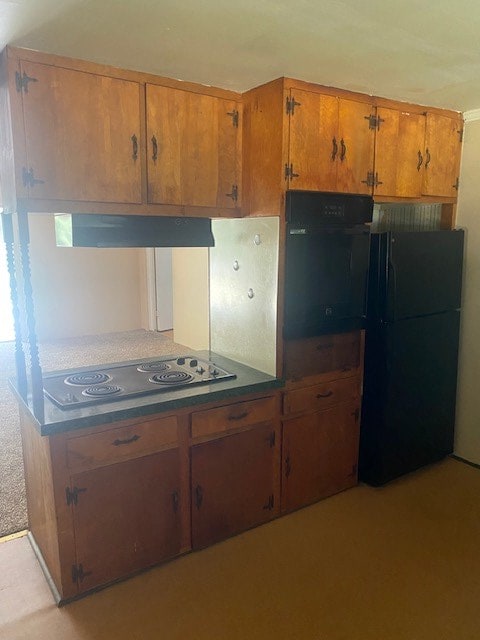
x=391 y=290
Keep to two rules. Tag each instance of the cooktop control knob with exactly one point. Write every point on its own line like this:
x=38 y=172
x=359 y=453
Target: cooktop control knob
x=200 y=369
x=193 y=363
x=180 y=360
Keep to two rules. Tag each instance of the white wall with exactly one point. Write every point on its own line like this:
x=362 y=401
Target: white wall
x=191 y=322
x=83 y=291
x=467 y=441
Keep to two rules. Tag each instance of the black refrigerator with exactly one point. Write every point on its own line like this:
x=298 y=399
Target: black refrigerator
x=411 y=352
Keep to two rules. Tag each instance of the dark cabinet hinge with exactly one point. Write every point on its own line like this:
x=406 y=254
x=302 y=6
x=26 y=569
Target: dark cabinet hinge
x=234 y=193
x=370 y=181
x=373 y=121
x=460 y=134
x=268 y=506
x=356 y=413
x=289 y=172
x=21 y=81
x=72 y=495
x=376 y=181
x=29 y=179
x=290 y=105
x=456 y=185
x=78 y=574
x=235 y=117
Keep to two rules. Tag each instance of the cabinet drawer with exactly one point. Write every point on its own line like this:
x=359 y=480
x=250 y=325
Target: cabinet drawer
x=339 y=352
x=321 y=396
x=136 y=440
x=232 y=416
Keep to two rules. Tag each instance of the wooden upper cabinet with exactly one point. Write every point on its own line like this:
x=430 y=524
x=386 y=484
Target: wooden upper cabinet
x=193 y=148
x=331 y=144
x=82 y=136
x=313 y=139
x=399 y=153
x=443 y=144
x=356 y=151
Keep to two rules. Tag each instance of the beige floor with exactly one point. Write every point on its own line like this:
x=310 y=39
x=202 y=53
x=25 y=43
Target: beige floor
x=400 y=562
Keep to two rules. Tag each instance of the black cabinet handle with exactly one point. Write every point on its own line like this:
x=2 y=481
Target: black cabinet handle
x=343 y=151
x=288 y=467
x=155 y=149
x=239 y=416
x=420 y=161
x=334 y=149
x=134 y=147
x=175 y=501
x=325 y=395
x=428 y=158
x=134 y=438
x=198 y=496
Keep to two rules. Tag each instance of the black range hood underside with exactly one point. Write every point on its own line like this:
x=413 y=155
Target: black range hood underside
x=92 y=230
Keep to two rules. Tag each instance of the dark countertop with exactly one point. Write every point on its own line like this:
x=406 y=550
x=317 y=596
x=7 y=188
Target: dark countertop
x=56 y=420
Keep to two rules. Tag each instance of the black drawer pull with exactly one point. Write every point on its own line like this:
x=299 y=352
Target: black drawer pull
x=134 y=438
x=325 y=395
x=240 y=416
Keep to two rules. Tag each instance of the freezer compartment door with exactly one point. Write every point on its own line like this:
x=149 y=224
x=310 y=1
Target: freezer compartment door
x=408 y=413
x=418 y=273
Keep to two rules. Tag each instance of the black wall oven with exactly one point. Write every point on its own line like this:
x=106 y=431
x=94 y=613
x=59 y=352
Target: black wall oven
x=326 y=268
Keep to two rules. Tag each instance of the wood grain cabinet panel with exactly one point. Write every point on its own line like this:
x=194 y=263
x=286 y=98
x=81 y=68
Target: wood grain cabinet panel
x=442 y=155
x=115 y=445
x=313 y=142
x=399 y=153
x=234 y=484
x=331 y=144
x=126 y=517
x=330 y=356
x=82 y=136
x=356 y=151
x=193 y=148
x=321 y=396
x=320 y=453
x=232 y=416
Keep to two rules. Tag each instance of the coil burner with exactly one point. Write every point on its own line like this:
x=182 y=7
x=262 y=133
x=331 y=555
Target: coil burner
x=117 y=382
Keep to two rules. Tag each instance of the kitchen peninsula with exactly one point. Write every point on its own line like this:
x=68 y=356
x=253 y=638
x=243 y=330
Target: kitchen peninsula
x=109 y=487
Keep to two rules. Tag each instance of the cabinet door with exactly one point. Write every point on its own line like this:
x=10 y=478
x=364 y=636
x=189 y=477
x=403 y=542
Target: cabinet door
x=320 y=455
x=314 y=144
x=356 y=146
x=442 y=155
x=193 y=148
x=127 y=517
x=399 y=153
x=234 y=484
x=82 y=135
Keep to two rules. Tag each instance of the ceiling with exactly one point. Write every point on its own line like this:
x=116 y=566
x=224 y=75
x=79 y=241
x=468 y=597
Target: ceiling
x=423 y=52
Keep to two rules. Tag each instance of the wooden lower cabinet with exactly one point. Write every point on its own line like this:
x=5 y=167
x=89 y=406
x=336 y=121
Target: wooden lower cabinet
x=234 y=484
x=105 y=502
x=320 y=453
x=126 y=517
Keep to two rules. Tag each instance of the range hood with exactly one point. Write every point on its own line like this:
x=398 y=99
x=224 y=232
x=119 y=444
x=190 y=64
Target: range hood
x=92 y=230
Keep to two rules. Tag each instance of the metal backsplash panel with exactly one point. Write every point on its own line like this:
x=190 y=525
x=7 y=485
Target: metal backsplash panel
x=243 y=291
